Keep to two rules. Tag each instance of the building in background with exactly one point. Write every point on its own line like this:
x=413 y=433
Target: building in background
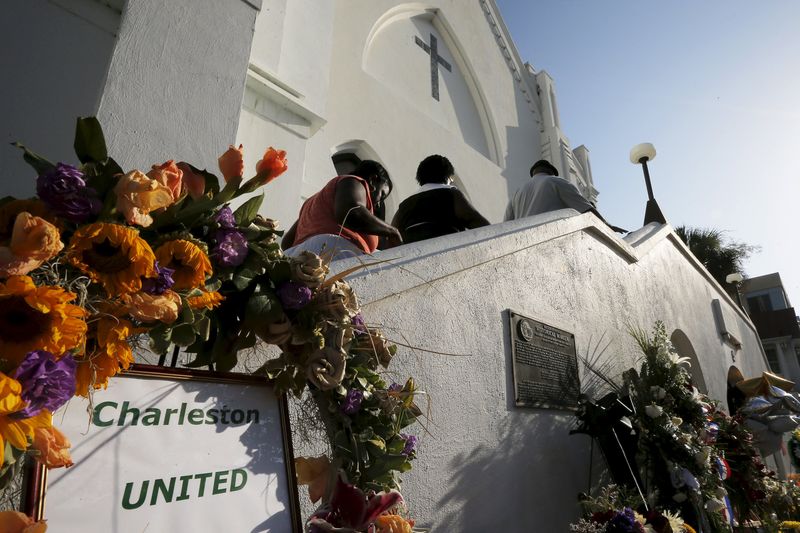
x=765 y=300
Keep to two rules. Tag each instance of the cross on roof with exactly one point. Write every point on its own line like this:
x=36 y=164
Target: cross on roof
x=436 y=60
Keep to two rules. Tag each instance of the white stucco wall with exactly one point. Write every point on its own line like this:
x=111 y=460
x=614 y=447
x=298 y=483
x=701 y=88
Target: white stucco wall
x=55 y=59
x=176 y=80
x=486 y=463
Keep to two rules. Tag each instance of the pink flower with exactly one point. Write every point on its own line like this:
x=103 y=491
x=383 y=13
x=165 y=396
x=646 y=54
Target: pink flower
x=170 y=176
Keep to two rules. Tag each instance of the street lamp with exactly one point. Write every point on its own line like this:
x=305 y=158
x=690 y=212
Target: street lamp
x=641 y=154
x=736 y=279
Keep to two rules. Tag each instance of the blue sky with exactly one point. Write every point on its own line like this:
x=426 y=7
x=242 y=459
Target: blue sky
x=714 y=85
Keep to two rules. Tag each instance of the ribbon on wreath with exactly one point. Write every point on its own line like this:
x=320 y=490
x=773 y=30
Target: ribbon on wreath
x=724 y=471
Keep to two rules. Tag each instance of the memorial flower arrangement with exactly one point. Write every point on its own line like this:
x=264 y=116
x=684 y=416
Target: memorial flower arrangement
x=691 y=457
x=104 y=259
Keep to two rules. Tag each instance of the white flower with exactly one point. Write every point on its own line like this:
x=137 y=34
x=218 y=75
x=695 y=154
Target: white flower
x=714 y=504
x=679 y=497
x=674 y=519
x=676 y=421
x=653 y=411
x=701 y=457
x=721 y=492
x=658 y=392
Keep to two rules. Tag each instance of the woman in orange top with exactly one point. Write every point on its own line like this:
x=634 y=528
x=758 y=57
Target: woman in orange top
x=341 y=218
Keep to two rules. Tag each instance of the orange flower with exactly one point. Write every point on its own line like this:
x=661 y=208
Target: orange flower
x=13 y=431
x=107 y=351
x=189 y=261
x=146 y=307
x=208 y=300
x=33 y=241
x=231 y=163
x=10 y=210
x=392 y=523
x=194 y=183
x=170 y=176
x=138 y=195
x=314 y=472
x=37 y=318
x=16 y=522
x=112 y=254
x=272 y=165
x=53 y=447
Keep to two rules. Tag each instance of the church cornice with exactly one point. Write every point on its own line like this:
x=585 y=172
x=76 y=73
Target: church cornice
x=510 y=53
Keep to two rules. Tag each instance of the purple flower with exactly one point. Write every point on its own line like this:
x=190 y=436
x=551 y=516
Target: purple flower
x=64 y=191
x=623 y=522
x=46 y=383
x=358 y=322
x=225 y=218
x=352 y=402
x=293 y=295
x=395 y=387
x=231 y=249
x=161 y=283
x=411 y=444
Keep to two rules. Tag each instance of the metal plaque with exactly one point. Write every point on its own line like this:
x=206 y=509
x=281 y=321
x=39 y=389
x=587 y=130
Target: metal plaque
x=545 y=364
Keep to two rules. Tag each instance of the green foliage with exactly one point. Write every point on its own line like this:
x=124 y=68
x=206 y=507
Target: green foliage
x=719 y=255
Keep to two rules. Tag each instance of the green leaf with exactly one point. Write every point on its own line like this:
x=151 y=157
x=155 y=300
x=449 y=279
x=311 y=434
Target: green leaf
x=90 y=145
x=279 y=271
x=229 y=192
x=246 y=213
x=160 y=338
x=187 y=315
x=202 y=327
x=183 y=335
x=39 y=163
x=260 y=310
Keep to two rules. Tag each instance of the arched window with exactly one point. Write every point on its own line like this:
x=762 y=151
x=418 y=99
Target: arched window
x=684 y=348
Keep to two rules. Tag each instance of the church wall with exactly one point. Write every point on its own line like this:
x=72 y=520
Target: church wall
x=55 y=57
x=486 y=464
x=483 y=124
x=176 y=80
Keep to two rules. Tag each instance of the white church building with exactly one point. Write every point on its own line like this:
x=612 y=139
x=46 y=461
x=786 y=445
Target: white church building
x=333 y=81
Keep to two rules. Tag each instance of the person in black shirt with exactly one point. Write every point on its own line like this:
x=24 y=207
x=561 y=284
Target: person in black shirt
x=437 y=208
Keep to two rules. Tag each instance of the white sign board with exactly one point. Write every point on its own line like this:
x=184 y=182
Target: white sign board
x=169 y=455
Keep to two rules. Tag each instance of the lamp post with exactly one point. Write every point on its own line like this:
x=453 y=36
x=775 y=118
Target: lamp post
x=736 y=279
x=641 y=154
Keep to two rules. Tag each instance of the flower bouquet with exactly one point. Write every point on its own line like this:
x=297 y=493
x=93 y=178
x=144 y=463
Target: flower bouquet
x=104 y=263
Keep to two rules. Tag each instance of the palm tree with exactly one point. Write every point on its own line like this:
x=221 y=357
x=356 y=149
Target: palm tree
x=719 y=255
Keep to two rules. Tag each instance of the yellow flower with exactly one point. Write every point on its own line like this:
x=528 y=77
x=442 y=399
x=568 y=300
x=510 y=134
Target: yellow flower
x=189 y=261
x=146 y=307
x=33 y=241
x=208 y=300
x=138 y=195
x=37 y=318
x=113 y=255
x=16 y=522
x=17 y=432
x=688 y=529
x=392 y=523
x=107 y=351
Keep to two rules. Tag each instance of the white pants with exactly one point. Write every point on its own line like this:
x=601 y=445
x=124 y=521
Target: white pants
x=331 y=245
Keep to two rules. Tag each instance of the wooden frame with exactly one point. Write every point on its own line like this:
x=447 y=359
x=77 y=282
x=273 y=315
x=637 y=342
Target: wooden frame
x=35 y=491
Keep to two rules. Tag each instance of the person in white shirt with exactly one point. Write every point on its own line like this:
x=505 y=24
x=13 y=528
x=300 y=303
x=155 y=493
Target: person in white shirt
x=548 y=192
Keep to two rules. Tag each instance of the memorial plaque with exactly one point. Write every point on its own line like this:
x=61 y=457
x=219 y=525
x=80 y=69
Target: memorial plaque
x=545 y=364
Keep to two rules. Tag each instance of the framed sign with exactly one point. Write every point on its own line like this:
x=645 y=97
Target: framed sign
x=174 y=450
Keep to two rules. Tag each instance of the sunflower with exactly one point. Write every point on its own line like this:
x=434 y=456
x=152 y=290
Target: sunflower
x=208 y=300
x=113 y=255
x=37 y=318
x=189 y=261
x=12 y=430
x=107 y=352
